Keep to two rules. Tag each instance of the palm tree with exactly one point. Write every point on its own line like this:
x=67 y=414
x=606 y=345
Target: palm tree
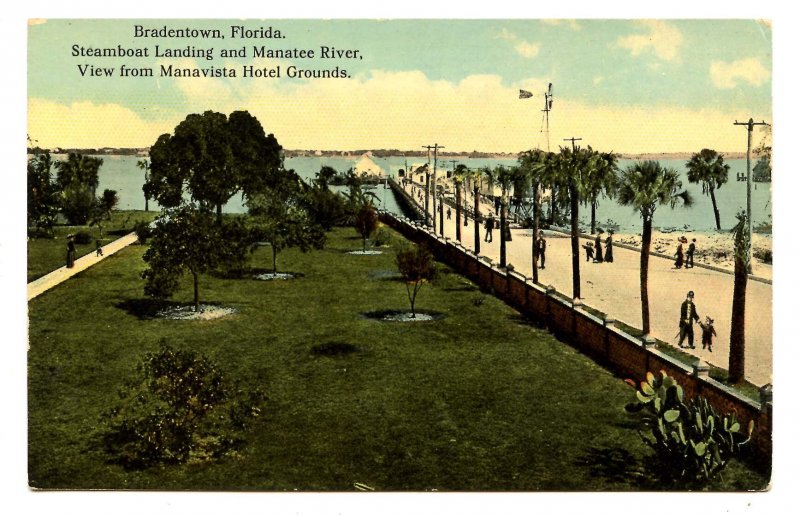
x=476 y=177
x=644 y=186
x=533 y=163
x=709 y=168
x=503 y=177
x=459 y=175
x=573 y=168
x=741 y=244
x=602 y=181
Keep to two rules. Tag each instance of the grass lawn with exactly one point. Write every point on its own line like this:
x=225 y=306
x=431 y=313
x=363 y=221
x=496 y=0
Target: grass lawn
x=48 y=254
x=479 y=399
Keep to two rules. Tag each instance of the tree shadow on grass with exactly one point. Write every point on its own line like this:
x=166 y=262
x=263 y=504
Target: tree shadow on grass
x=527 y=321
x=145 y=309
x=616 y=465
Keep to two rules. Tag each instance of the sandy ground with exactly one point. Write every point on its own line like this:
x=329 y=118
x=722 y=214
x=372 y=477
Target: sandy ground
x=614 y=288
x=713 y=249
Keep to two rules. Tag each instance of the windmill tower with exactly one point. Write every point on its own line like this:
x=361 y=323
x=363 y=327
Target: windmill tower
x=548 y=106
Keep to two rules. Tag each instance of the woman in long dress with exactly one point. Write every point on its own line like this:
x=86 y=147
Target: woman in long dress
x=609 y=248
x=598 y=248
x=679 y=255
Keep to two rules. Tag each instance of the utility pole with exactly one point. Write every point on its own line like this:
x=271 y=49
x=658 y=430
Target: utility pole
x=749 y=124
x=435 y=148
x=573 y=140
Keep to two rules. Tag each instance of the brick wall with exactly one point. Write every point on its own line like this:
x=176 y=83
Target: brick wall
x=597 y=338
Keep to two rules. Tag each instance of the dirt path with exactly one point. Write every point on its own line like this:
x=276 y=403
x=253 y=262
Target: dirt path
x=614 y=289
x=60 y=275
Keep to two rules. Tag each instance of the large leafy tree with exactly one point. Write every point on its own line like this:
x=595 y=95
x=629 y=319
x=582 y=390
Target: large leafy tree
x=184 y=238
x=211 y=157
x=43 y=194
x=708 y=168
x=741 y=244
x=534 y=164
x=644 y=186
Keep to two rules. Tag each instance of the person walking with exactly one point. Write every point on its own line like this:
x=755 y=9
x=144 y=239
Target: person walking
x=489 y=227
x=708 y=333
x=679 y=253
x=609 y=248
x=448 y=212
x=690 y=254
x=589 y=248
x=688 y=317
x=70 y=251
x=98 y=250
x=598 y=248
x=542 y=244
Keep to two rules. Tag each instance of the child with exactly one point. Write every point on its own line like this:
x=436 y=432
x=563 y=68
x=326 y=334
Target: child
x=98 y=248
x=708 y=332
x=589 y=248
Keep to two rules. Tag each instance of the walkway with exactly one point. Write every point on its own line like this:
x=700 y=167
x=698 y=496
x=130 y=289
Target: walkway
x=614 y=289
x=60 y=275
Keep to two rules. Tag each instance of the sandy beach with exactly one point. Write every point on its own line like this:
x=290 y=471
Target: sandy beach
x=712 y=248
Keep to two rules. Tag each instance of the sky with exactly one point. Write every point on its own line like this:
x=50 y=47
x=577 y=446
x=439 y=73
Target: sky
x=650 y=85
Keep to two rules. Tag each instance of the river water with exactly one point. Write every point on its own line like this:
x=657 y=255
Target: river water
x=120 y=173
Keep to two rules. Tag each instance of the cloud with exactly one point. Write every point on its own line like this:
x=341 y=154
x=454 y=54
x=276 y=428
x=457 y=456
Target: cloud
x=663 y=39
x=727 y=75
x=89 y=125
x=389 y=109
x=527 y=49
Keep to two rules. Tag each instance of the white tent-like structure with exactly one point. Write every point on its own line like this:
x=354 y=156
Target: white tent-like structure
x=367 y=168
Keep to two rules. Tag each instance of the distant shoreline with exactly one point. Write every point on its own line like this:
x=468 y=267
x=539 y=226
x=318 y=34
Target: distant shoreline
x=382 y=153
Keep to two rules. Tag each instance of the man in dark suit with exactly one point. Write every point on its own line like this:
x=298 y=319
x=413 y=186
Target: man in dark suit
x=688 y=317
x=690 y=254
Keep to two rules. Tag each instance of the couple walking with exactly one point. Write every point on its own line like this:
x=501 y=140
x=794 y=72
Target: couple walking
x=679 y=261
x=595 y=253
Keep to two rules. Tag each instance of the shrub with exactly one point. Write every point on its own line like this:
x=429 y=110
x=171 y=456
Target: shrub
x=143 y=231
x=382 y=237
x=179 y=407
x=692 y=442
x=83 y=238
x=764 y=255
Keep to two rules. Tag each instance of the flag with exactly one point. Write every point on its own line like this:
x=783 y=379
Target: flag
x=525 y=94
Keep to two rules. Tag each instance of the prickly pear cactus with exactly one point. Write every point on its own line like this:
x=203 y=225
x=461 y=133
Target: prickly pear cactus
x=691 y=441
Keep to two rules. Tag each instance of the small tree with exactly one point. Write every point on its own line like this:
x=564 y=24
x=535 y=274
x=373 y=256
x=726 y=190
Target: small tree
x=416 y=266
x=366 y=222
x=109 y=202
x=277 y=217
x=179 y=406
x=184 y=238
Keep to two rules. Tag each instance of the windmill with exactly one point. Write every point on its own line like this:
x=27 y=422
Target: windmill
x=548 y=106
